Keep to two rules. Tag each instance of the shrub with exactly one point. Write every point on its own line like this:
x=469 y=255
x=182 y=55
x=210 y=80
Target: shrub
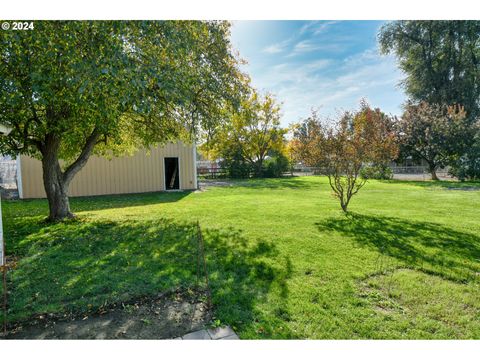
x=276 y=166
x=377 y=171
x=235 y=165
x=237 y=169
x=467 y=166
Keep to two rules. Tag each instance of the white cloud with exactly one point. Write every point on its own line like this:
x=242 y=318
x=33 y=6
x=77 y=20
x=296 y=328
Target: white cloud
x=278 y=47
x=369 y=55
x=274 y=49
x=318 y=64
x=317 y=27
x=306 y=46
x=332 y=85
x=327 y=81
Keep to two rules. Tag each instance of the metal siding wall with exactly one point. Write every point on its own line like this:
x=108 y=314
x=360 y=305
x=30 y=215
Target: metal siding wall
x=120 y=175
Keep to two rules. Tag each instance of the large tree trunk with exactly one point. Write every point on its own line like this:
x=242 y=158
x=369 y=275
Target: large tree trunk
x=433 y=172
x=56 y=188
x=258 y=167
x=56 y=181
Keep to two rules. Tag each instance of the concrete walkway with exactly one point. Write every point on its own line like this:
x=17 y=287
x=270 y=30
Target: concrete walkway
x=223 y=333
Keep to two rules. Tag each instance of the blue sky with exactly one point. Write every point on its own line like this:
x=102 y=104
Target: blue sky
x=327 y=65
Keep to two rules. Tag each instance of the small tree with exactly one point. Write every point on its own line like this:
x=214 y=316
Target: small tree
x=340 y=150
x=433 y=133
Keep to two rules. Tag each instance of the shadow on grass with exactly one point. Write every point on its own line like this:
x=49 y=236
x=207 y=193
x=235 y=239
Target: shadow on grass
x=94 y=203
x=25 y=217
x=22 y=208
x=428 y=246
x=242 y=274
x=81 y=266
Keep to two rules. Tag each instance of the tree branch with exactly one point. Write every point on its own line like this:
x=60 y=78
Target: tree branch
x=77 y=165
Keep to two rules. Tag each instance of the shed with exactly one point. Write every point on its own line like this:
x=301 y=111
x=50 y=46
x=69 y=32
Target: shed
x=162 y=168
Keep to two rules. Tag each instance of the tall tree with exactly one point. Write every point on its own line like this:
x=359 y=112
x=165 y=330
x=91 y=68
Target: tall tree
x=72 y=88
x=340 y=150
x=441 y=60
x=432 y=133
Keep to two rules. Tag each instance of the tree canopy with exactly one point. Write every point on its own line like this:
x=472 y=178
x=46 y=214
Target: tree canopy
x=441 y=60
x=72 y=88
x=252 y=133
x=432 y=133
x=340 y=149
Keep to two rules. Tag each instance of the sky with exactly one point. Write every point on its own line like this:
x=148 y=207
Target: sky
x=326 y=65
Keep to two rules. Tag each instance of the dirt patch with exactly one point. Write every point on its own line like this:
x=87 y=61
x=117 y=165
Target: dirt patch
x=208 y=183
x=165 y=317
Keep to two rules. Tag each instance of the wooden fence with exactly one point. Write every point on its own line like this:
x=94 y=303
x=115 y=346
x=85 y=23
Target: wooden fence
x=211 y=172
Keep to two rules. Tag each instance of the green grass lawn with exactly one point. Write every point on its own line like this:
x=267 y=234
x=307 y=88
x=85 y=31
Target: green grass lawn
x=283 y=260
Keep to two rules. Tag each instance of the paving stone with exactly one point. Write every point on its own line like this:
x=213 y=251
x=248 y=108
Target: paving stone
x=230 y=337
x=218 y=333
x=197 y=335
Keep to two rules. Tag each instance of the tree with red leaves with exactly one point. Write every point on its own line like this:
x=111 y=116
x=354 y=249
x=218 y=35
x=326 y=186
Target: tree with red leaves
x=340 y=149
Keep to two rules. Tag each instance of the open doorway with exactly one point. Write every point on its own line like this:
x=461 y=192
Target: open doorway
x=172 y=178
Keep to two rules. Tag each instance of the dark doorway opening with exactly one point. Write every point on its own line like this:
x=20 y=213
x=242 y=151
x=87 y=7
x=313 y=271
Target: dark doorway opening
x=172 y=178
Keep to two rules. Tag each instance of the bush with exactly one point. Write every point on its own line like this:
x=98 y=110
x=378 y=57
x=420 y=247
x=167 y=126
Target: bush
x=237 y=169
x=467 y=167
x=276 y=166
x=379 y=172
x=235 y=166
